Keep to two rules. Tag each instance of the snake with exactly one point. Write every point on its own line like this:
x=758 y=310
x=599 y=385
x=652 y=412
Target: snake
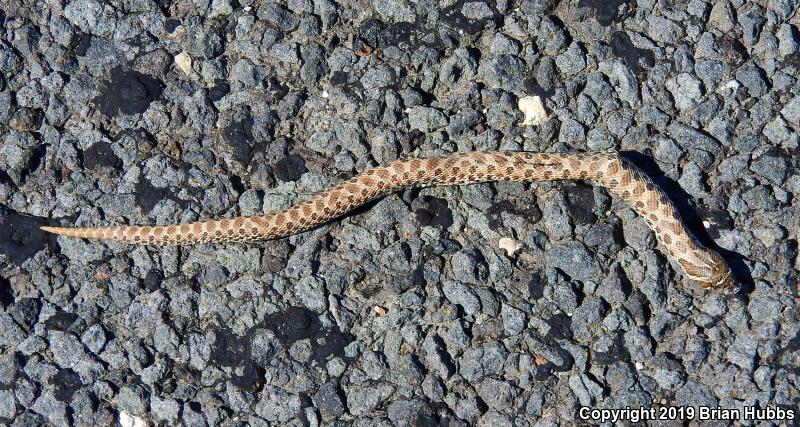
x=610 y=170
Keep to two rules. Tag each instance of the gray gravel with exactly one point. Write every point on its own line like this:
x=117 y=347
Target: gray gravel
x=408 y=312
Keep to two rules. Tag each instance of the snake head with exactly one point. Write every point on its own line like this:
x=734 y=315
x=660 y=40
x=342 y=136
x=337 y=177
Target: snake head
x=720 y=276
x=708 y=269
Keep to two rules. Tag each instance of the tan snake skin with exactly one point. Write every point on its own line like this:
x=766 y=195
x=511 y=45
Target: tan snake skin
x=701 y=264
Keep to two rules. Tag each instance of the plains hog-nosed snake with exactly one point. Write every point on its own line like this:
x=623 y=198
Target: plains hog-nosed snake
x=613 y=172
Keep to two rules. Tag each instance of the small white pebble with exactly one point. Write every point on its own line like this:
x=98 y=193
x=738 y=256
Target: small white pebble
x=730 y=84
x=184 y=62
x=128 y=420
x=380 y=311
x=509 y=245
x=325 y=94
x=639 y=366
x=533 y=108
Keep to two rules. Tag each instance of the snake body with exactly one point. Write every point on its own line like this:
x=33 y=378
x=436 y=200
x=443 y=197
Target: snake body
x=613 y=172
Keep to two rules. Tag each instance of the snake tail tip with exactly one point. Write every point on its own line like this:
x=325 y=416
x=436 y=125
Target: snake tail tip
x=52 y=230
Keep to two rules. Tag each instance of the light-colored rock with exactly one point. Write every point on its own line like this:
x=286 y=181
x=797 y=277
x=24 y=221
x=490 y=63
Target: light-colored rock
x=509 y=245
x=128 y=420
x=184 y=62
x=533 y=108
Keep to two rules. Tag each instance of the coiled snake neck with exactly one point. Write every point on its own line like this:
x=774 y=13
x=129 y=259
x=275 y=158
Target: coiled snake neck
x=703 y=265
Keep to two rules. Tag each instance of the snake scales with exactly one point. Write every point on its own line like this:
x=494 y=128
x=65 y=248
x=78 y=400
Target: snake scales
x=701 y=264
